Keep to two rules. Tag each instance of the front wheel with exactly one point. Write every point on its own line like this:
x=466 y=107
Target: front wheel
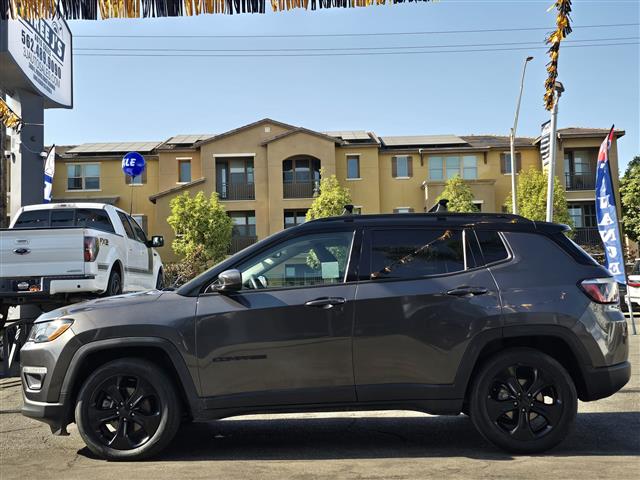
x=523 y=401
x=160 y=280
x=127 y=410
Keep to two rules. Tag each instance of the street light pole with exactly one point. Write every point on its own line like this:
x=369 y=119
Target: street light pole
x=552 y=153
x=512 y=141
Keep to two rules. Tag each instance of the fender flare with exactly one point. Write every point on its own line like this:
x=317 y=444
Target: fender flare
x=184 y=376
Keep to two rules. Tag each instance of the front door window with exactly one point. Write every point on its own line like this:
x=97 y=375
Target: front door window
x=315 y=259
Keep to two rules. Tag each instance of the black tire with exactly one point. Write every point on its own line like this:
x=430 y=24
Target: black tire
x=114 y=286
x=160 y=280
x=523 y=401
x=128 y=409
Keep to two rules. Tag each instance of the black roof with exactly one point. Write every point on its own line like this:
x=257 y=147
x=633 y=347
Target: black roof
x=503 y=221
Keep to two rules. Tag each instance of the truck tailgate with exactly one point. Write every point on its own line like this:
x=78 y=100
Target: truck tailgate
x=41 y=252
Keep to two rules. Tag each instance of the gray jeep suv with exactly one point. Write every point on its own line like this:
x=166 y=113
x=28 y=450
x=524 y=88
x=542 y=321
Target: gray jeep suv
x=496 y=316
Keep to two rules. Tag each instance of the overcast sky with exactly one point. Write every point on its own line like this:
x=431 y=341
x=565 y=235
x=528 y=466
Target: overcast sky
x=145 y=98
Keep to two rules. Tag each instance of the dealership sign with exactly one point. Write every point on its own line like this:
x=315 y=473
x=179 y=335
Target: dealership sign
x=42 y=50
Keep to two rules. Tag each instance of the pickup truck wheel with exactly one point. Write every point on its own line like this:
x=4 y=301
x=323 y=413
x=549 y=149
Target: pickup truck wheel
x=114 y=287
x=127 y=410
x=523 y=401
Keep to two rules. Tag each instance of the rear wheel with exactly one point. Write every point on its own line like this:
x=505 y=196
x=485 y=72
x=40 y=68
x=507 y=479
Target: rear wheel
x=114 y=286
x=127 y=410
x=523 y=401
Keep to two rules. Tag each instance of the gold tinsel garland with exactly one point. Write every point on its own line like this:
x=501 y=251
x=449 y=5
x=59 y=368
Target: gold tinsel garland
x=563 y=28
x=94 y=9
x=8 y=117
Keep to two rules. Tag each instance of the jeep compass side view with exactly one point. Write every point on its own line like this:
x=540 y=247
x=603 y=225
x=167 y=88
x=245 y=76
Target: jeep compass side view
x=496 y=316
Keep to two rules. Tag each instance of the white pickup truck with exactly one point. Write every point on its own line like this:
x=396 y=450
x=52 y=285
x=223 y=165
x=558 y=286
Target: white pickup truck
x=55 y=254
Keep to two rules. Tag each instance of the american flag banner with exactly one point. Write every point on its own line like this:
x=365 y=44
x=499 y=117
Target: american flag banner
x=49 y=170
x=606 y=213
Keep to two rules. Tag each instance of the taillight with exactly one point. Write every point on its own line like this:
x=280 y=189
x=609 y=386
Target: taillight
x=633 y=284
x=91 y=249
x=601 y=290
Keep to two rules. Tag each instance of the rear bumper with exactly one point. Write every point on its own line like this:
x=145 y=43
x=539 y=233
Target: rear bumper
x=48 y=287
x=605 y=381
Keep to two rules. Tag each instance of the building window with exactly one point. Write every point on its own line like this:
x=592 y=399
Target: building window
x=83 y=176
x=357 y=211
x=505 y=163
x=244 y=230
x=444 y=168
x=235 y=178
x=403 y=210
x=301 y=177
x=294 y=217
x=353 y=166
x=142 y=221
x=184 y=171
x=469 y=167
x=402 y=166
x=477 y=205
x=583 y=215
x=137 y=180
x=580 y=168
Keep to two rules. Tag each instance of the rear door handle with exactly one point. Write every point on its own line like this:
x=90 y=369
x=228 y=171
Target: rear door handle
x=467 y=291
x=325 y=302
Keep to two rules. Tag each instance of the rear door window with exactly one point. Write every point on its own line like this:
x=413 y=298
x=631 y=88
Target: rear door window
x=127 y=227
x=414 y=253
x=492 y=246
x=33 y=219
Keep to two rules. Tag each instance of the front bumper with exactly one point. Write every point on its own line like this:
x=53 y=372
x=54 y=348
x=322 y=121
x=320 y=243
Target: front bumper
x=605 y=381
x=56 y=415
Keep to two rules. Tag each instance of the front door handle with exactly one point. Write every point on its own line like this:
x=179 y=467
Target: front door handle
x=467 y=291
x=325 y=302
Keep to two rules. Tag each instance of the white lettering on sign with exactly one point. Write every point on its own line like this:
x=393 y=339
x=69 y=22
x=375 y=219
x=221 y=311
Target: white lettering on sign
x=609 y=235
x=606 y=219
x=42 y=50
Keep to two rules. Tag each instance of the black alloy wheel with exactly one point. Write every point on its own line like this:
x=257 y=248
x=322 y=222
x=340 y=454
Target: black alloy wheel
x=124 y=412
x=523 y=401
x=128 y=409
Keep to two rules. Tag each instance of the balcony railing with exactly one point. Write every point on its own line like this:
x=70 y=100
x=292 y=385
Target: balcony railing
x=237 y=191
x=301 y=189
x=580 y=181
x=587 y=236
x=240 y=242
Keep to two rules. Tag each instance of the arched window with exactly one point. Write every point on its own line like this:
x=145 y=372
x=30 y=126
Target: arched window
x=301 y=176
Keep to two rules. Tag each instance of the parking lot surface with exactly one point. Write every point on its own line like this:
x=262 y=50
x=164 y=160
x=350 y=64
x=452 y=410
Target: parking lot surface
x=605 y=443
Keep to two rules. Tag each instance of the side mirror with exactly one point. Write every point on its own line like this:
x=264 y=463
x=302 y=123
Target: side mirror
x=229 y=281
x=156 y=241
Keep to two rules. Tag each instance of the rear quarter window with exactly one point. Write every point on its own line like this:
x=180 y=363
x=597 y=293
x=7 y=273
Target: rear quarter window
x=492 y=246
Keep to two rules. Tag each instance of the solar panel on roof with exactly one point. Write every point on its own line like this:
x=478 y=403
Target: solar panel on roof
x=423 y=140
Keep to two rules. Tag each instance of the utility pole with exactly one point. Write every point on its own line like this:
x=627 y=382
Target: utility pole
x=553 y=152
x=512 y=140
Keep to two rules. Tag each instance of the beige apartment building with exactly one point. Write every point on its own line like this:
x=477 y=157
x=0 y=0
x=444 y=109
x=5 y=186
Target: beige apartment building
x=267 y=173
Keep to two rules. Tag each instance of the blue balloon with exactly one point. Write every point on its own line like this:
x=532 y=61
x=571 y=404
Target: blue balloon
x=133 y=164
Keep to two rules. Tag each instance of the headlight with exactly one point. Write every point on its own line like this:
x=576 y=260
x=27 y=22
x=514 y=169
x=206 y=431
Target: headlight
x=48 y=331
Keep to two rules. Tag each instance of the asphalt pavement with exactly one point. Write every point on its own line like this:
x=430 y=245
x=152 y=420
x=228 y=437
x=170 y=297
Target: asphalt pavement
x=604 y=444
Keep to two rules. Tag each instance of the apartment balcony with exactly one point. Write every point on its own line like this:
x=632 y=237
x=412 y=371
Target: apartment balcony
x=241 y=242
x=237 y=191
x=301 y=189
x=588 y=236
x=580 y=181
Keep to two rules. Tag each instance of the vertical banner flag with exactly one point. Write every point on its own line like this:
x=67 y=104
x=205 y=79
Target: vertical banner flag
x=606 y=214
x=49 y=170
x=545 y=141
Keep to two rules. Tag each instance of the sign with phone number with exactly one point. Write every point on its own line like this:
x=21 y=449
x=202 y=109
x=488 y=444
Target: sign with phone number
x=42 y=50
